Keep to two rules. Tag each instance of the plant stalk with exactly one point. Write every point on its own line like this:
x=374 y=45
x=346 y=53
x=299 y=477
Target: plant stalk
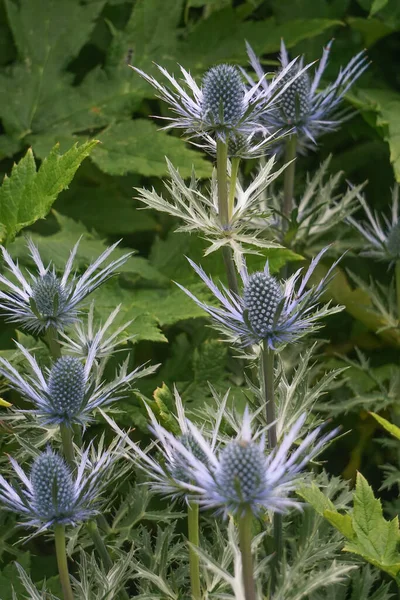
x=51 y=337
x=59 y=536
x=222 y=185
x=245 y=537
x=67 y=444
x=99 y=544
x=288 y=178
x=232 y=185
x=194 y=562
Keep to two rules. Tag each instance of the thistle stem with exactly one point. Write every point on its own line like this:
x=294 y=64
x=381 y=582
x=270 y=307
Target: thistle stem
x=67 y=444
x=99 y=544
x=232 y=185
x=59 y=536
x=194 y=562
x=222 y=185
x=51 y=337
x=268 y=357
x=397 y=275
x=288 y=180
x=245 y=537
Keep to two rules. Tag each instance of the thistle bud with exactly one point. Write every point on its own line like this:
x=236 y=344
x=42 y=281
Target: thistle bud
x=48 y=295
x=295 y=100
x=241 y=473
x=393 y=241
x=52 y=487
x=262 y=295
x=223 y=93
x=67 y=386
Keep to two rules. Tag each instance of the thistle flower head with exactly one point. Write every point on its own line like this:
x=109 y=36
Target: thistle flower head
x=42 y=299
x=53 y=492
x=261 y=296
x=71 y=390
x=223 y=93
x=66 y=386
x=220 y=108
x=381 y=232
x=52 y=495
x=268 y=312
x=303 y=108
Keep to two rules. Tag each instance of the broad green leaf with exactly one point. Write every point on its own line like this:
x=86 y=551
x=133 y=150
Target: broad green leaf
x=372 y=29
x=138 y=146
x=313 y=495
x=4 y=403
x=27 y=195
x=343 y=523
x=377 y=5
x=390 y=427
x=386 y=104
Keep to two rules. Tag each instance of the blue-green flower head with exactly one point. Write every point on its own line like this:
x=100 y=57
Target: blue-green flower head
x=295 y=100
x=42 y=299
x=69 y=392
x=180 y=469
x=223 y=93
x=49 y=297
x=67 y=386
x=52 y=495
x=52 y=487
x=241 y=472
x=262 y=294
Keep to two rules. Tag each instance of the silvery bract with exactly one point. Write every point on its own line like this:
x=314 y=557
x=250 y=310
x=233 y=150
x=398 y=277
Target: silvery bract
x=381 y=233
x=70 y=390
x=304 y=109
x=42 y=299
x=268 y=311
x=51 y=494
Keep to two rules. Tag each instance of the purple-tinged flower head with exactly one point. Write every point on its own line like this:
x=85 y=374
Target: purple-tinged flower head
x=51 y=494
x=305 y=108
x=44 y=299
x=233 y=475
x=71 y=390
x=268 y=312
x=381 y=232
x=221 y=108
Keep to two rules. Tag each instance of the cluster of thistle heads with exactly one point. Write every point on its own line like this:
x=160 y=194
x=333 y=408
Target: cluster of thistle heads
x=254 y=115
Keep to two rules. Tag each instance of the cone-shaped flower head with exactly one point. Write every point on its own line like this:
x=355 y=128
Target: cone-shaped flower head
x=220 y=108
x=71 y=390
x=43 y=299
x=268 y=312
x=223 y=93
x=179 y=466
x=261 y=295
x=67 y=386
x=303 y=108
x=295 y=100
x=52 y=494
x=52 y=488
x=382 y=233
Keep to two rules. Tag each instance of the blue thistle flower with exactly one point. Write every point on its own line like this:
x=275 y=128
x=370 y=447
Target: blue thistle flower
x=46 y=300
x=221 y=108
x=301 y=109
x=52 y=495
x=70 y=391
x=268 y=312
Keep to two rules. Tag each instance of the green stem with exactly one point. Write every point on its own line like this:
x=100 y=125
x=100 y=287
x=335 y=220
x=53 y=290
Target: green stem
x=193 y=535
x=288 y=180
x=67 y=444
x=222 y=185
x=59 y=535
x=245 y=537
x=232 y=185
x=103 y=524
x=398 y=288
x=268 y=376
x=99 y=544
x=51 y=337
